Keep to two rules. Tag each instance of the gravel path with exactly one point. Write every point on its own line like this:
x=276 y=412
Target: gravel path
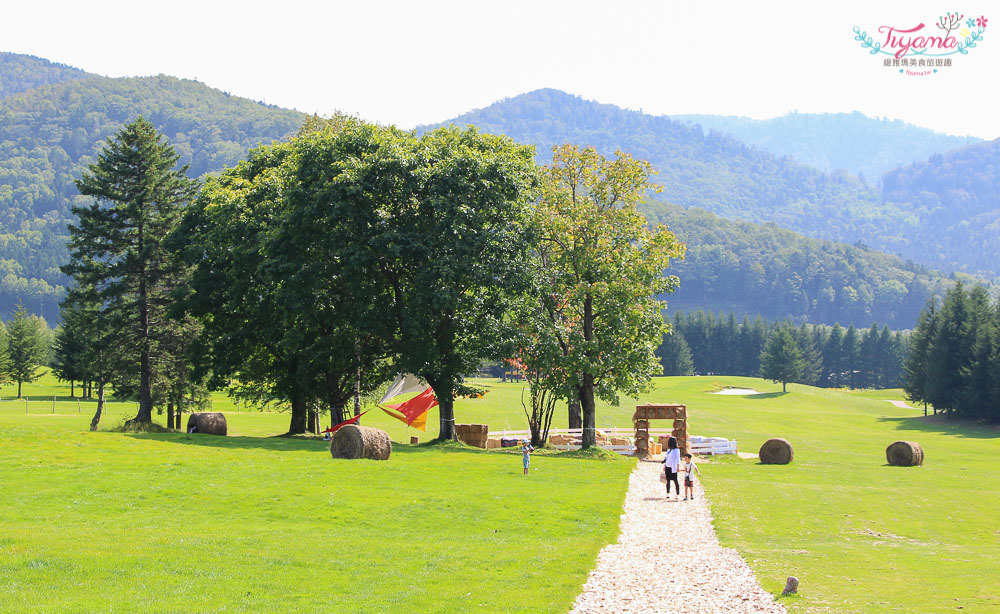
x=668 y=559
x=902 y=404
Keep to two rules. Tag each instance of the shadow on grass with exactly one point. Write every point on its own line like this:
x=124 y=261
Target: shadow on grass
x=763 y=395
x=276 y=443
x=939 y=424
x=286 y=443
x=289 y=443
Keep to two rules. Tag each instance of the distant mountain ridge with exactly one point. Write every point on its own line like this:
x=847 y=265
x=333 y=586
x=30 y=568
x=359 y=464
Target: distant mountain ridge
x=53 y=128
x=718 y=173
x=20 y=73
x=836 y=141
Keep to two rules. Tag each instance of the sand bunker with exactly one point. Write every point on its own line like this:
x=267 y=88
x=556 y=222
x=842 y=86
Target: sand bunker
x=737 y=391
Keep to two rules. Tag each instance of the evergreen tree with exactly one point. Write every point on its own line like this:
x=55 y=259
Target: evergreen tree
x=68 y=346
x=117 y=246
x=974 y=399
x=675 y=355
x=950 y=351
x=833 y=361
x=915 y=367
x=867 y=363
x=812 y=361
x=782 y=360
x=849 y=356
x=26 y=346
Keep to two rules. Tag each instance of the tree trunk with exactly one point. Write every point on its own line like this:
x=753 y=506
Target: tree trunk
x=145 y=414
x=783 y=387
x=19 y=389
x=298 y=422
x=338 y=413
x=357 y=389
x=311 y=420
x=444 y=390
x=170 y=414
x=72 y=390
x=586 y=390
x=589 y=411
x=575 y=419
x=100 y=407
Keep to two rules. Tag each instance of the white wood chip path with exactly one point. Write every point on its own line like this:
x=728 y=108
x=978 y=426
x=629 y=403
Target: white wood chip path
x=668 y=559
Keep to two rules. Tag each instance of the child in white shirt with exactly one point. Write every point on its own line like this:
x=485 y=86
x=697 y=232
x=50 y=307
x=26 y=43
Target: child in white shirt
x=689 y=470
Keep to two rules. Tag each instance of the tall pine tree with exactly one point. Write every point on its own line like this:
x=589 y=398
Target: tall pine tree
x=117 y=246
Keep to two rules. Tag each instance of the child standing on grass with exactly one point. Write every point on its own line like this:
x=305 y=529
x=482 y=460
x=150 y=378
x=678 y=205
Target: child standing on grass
x=689 y=470
x=526 y=451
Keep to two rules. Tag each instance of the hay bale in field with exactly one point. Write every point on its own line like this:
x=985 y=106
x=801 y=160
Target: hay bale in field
x=776 y=451
x=353 y=441
x=472 y=434
x=904 y=454
x=562 y=440
x=210 y=423
x=492 y=443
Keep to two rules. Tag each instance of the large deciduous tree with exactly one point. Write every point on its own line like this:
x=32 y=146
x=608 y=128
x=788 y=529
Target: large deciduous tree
x=601 y=273
x=430 y=238
x=280 y=321
x=117 y=246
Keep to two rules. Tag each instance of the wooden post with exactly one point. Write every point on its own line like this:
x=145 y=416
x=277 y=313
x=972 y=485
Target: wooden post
x=53 y=403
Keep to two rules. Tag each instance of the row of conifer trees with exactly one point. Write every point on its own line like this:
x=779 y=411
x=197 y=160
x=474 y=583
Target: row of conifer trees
x=826 y=356
x=954 y=362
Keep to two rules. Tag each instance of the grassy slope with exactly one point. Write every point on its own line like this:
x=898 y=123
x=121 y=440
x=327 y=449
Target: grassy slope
x=860 y=535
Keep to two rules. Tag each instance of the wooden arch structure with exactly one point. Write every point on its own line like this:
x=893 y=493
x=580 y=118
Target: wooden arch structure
x=645 y=413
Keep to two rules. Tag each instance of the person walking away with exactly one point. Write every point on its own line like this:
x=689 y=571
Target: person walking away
x=689 y=470
x=526 y=451
x=671 y=464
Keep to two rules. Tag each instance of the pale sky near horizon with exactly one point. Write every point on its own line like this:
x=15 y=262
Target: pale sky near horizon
x=410 y=63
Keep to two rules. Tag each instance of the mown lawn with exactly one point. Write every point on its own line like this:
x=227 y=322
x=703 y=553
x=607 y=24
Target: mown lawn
x=172 y=522
x=192 y=523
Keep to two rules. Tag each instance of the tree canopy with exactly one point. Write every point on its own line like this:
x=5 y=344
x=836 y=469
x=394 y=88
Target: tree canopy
x=601 y=273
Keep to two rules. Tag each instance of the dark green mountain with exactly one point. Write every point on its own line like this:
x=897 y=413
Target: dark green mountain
x=833 y=141
x=753 y=269
x=956 y=197
x=718 y=173
x=49 y=133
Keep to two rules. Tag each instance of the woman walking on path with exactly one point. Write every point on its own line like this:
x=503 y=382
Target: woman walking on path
x=671 y=463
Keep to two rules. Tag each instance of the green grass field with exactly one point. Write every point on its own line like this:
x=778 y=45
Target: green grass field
x=175 y=522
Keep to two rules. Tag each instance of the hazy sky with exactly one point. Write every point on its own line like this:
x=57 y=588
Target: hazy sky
x=409 y=63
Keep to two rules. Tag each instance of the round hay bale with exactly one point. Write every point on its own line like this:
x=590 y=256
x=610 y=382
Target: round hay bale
x=776 y=451
x=352 y=441
x=904 y=454
x=210 y=423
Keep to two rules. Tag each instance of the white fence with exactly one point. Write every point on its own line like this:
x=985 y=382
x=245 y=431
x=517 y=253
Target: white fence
x=696 y=444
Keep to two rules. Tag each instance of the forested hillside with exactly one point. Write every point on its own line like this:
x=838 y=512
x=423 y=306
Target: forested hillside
x=19 y=73
x=832 y=141
x=752 y=269
x=718 y=173
x=50 y=133
x=957 y=198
